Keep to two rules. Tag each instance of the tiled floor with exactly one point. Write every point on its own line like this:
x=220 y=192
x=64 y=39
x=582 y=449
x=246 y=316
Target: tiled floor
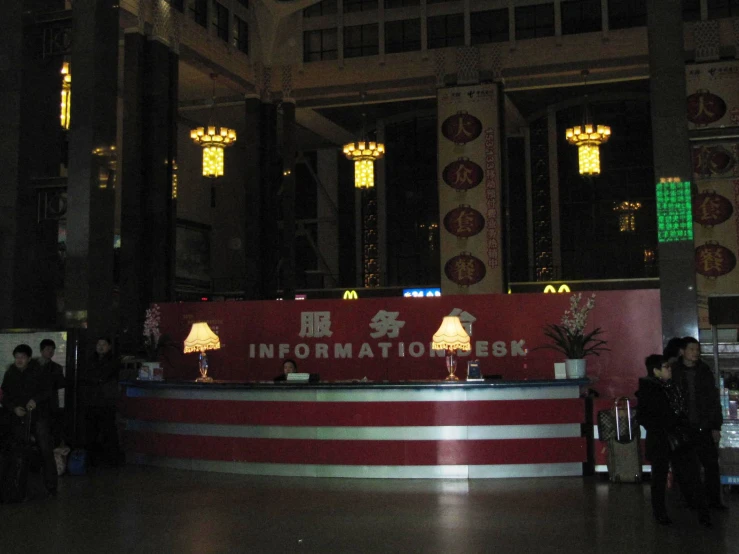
x=146 y=509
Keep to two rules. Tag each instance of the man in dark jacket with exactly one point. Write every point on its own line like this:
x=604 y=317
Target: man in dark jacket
x=662 y=410
x=27 y=393
x=55 y=373
x=704 y=412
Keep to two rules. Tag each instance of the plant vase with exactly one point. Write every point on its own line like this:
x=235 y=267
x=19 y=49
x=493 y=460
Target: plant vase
x=575 y=369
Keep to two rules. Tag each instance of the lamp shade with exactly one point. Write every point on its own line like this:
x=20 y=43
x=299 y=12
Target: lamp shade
x=451 y=335
x=201 y=338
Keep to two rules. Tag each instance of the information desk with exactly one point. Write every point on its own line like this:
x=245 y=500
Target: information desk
x=384 y=430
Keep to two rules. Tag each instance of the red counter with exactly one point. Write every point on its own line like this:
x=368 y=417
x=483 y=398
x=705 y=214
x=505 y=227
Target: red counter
x=403 y=430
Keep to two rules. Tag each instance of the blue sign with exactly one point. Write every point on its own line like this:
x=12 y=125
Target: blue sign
x=420 y=293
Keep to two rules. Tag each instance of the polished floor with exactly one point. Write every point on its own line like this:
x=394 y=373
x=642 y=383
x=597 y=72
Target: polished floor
x=145 y=509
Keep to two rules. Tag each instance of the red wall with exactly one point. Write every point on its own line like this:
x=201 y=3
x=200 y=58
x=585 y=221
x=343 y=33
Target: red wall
x=631 y=322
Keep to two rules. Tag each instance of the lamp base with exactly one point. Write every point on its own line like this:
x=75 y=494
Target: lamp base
x=452 y=378
x=205 y=379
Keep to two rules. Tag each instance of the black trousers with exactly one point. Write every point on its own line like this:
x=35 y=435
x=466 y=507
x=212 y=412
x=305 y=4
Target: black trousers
x=707 y=451
x=41 y=431
x=686 y=471
x=101 y=435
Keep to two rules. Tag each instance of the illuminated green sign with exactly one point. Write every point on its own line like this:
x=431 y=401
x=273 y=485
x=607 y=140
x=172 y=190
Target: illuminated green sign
x=674 y=211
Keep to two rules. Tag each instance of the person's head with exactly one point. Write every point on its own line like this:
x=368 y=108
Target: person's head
x=22 y=355
x=103 y=346
x=692 y=351
x=47 y=348
x=658 y=366
x=289 y=366
x=674 y=348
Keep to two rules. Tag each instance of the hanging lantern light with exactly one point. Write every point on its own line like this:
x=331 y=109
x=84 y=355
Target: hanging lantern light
x=66 y=103
x=588 y=138
x=627 y=215
x=364 y=154
x=214 y=140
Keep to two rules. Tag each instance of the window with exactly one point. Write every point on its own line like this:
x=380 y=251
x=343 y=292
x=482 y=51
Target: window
x=241 y=35
x=327 y=7
x=360 y=6
x=320 y=45
x=535 y=21
x=199 y=10
x=490 y=26
x=627 y=13
x=220 y=21
x=403 y=36
x=446 y=30
x=390 y=4
x=580 y=16
x=179 y=4
x=361 y=40
x=691 y=10
x=722 y=8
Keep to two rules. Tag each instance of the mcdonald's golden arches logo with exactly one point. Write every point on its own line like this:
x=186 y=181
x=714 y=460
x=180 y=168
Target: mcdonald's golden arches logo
x=350 y=295
x=562 y=288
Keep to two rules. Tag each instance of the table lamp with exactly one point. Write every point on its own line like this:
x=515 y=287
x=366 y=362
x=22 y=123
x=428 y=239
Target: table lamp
x=200 y=339
x=451 y=337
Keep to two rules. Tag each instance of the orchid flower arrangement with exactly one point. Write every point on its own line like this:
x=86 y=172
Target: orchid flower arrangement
x=152 y=334
x=570 y=337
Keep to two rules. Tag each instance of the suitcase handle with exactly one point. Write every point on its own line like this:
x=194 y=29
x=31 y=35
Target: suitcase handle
x=619 y=401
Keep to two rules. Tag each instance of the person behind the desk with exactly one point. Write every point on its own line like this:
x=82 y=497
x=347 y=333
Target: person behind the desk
x=288 y=366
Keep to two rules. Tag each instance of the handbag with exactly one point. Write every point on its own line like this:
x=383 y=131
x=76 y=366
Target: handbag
x=679 y=438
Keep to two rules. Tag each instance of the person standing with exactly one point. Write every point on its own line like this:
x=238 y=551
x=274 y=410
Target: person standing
x=704 y=413
x=662 y=410
x=55 y=373
x=27 y=393
x=100 y=394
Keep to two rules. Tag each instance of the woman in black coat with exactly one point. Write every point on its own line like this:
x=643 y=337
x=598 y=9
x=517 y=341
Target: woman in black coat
x=662 y=410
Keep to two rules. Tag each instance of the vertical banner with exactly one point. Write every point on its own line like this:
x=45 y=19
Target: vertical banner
x=713 y=95
x=470 y=189
x=715 y=223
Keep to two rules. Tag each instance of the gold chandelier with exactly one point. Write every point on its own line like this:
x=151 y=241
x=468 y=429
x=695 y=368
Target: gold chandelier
x=627 y=215
x=66 y=103
x=364 y=153
x=214 y=140
x=588 y=138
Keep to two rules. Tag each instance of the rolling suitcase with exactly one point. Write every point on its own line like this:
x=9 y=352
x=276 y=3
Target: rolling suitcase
x=14 y=470
x=622 y=430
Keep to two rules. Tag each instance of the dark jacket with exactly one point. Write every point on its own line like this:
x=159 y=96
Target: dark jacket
x=100 y=381
x=55 y=373
x=21 y=386
x=707 y=399
x=657 y=416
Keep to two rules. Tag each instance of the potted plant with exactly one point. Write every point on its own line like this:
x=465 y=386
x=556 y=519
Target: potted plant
x=571 y=339
x=153 y=342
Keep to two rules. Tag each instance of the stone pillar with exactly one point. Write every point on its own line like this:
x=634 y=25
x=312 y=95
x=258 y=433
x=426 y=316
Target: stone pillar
x=671 y=159
x=251 y=148
x=148 y=199
x=288 y=199
x=91 y=178
x=270 y=175
x=11 y=67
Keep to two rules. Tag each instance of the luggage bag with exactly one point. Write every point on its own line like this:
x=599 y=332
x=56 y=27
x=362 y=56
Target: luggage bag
x=624 y=459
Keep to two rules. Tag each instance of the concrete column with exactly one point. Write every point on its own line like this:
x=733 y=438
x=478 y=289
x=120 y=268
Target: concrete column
x=288 y=200
x=671 y=159
x=250 y=146
x=328 y=223
x=11 y=66
x=270 y=175
x=90 y=216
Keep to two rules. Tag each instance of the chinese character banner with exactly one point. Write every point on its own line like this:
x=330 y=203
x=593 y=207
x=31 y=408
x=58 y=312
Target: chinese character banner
x=712 y=95
x=469 y=182
x=390 y=338
x=716 y=239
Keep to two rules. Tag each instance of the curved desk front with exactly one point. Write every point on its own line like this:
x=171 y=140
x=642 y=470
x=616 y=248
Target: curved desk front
x=384 y=430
